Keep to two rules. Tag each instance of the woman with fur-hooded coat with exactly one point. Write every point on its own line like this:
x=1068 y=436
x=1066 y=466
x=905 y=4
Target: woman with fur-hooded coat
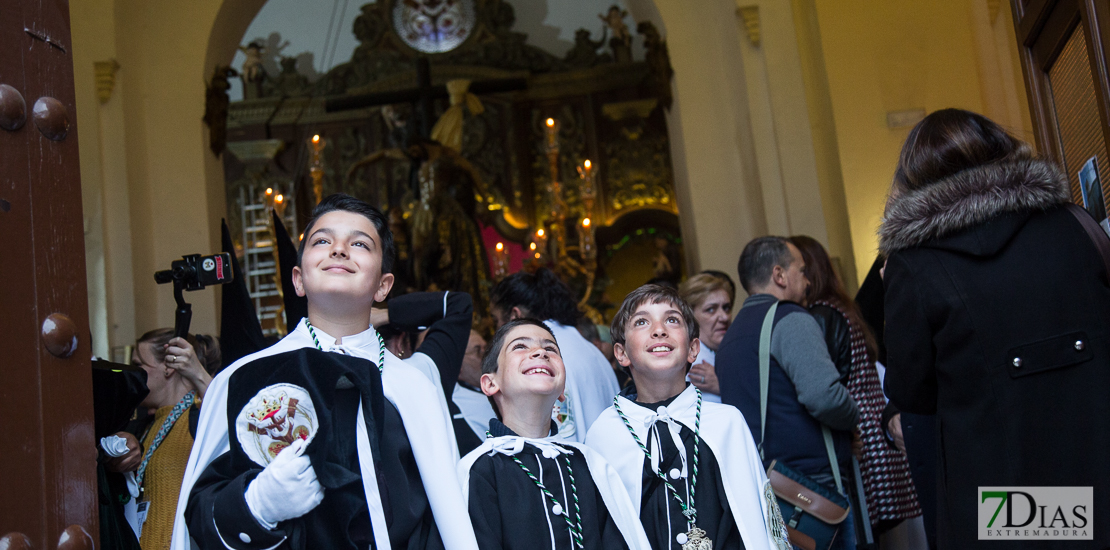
x=998 y=322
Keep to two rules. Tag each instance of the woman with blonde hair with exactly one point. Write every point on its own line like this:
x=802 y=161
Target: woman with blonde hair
x=711 y=297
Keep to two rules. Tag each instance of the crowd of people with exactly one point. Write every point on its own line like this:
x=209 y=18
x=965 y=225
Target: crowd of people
x=798 y=422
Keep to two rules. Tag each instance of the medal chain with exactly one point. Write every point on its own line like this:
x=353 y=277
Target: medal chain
x=381 y=344
x=688 y=510
x=575 y=527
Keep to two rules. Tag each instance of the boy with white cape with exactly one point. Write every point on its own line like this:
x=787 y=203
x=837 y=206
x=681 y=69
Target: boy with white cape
x=325 y=440
x=690 y=467
x=526 y=488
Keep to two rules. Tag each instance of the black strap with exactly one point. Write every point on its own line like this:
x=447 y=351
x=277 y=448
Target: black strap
x=1098 y=237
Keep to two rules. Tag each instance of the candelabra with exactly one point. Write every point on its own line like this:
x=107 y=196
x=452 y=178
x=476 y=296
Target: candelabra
x=500 y=261
x=557 y=217
x=586 y=262
x=316 y=166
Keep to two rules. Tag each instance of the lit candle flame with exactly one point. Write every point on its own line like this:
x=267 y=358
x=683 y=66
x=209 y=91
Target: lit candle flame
x=316 y=138
x=586 y=164
x=537 y=255
x=279 y=198
x=550 y=122
x=585 y=222
x=500 y=247
x=532 y=246
x=269 y=191
x=539 y=233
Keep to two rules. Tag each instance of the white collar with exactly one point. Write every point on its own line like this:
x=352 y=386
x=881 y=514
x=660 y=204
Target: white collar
x=643 y=420
x=365 y=341
x=682 y=408
x=510 y=445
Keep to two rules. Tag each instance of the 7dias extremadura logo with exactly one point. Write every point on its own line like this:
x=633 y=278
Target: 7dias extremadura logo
x=1039 y=513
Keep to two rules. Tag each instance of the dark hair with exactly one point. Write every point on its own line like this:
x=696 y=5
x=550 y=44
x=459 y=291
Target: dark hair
x=661 y=281
x=347 y=203
x=542 y=294
x=950 y=141
x=588 y=330
x=758 y=261
x=825 y=285
x=651 y=294
x=207 y=348
x=489 y=363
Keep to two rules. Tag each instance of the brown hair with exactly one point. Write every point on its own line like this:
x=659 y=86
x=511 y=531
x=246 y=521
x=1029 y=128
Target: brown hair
x=825 y=285
x=697 y=288
x=950 y=141
x=206 y=347
x=489 y=363
x=651 y=294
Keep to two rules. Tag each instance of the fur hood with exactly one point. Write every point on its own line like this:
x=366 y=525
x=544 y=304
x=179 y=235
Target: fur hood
x=969 y=198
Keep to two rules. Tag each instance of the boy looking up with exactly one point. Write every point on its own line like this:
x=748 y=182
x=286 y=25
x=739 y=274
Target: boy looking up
x=669 y=446
x=295 y=443
x=526 y=487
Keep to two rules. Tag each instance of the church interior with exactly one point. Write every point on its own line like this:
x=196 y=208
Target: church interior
x=707 y=126
x=616 y=141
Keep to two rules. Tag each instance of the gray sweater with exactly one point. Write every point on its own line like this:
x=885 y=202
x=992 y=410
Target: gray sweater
x=799 y=347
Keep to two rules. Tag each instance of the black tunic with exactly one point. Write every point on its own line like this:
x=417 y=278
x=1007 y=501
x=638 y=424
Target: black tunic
x=661 y=514
x=217 y=513
x=509 y=512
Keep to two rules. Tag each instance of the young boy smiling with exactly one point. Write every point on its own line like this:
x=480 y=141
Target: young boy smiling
x=527 y=488
x=668 y=445
x=295 y=442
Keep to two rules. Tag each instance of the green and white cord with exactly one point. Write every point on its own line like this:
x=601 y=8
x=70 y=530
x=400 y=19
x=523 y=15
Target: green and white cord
x=381 y=345
x=688 y=509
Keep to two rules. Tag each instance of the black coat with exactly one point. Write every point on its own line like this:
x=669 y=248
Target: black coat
x=991 y=285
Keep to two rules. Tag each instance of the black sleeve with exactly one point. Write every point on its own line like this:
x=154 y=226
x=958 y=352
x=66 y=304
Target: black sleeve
x=911 y=376
x=116 y=395
x=217 y=514
x=611 y=536
x=483 y=505
x=838 y=338
x=447 y=316
x=889 y=412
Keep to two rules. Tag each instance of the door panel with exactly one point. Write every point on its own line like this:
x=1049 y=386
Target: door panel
x=1062 y=45
x=49 y=455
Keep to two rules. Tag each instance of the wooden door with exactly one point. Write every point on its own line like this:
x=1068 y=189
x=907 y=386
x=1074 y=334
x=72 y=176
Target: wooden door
x=48 y=459
x=1063 y=45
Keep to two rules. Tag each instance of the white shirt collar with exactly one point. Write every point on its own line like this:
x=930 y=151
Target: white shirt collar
x=365 y=341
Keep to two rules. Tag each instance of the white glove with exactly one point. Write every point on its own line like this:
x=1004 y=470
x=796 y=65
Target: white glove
x=286 y=489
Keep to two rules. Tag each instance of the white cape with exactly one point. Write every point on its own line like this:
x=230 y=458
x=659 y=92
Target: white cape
x=726 y=433
x=591 y=382
x=475 y=409
x=608 y=483
x=427 y=426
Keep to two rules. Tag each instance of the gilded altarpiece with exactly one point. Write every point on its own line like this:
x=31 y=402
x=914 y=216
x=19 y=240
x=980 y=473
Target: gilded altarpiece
x=609 y=112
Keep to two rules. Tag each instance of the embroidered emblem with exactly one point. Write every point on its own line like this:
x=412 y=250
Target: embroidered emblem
x=273 y=419
x=775 y=524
